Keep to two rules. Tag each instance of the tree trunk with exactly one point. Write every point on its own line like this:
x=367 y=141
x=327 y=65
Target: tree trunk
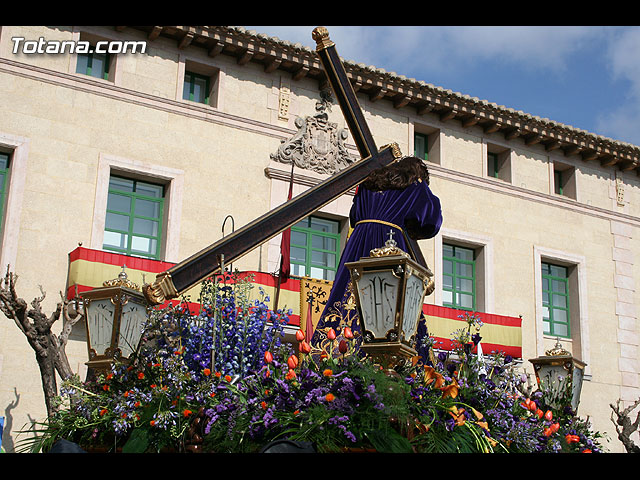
x=36 y=326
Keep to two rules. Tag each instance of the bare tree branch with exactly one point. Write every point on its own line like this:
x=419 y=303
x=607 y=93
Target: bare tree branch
x=624 y=426
x=36 y=326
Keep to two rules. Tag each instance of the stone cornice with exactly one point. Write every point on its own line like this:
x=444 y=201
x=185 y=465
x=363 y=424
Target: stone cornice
x=377 y=84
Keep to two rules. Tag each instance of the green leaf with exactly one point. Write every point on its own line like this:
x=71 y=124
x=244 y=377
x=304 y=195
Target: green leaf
x=389 y=441
x=137 y=443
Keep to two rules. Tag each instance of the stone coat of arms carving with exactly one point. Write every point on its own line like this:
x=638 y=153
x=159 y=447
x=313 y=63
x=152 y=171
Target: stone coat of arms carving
x=318 y=144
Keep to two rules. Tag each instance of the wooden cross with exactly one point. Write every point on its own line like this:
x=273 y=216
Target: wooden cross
x=209 y=261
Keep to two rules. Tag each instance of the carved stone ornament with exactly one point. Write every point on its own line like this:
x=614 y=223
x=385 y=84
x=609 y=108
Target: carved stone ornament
x=318 y=144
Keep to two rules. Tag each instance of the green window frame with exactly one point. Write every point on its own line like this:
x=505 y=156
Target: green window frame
x=492 y=164
x=420 y=146
x=315 y=248
x=458 y=277
x=196 y=87
x=5 y=159
x=555 y=300
x=133 y=223
x=94 y=64
x=557 y=178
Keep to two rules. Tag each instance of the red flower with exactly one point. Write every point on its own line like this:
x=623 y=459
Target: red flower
x=329 y=397
x=292 y=361
x=186 y=412
x=109 y=376
x=152 y=423
x=299 y=335
x=539 y=413
x=548 y=415
x=586 y=450
x=331 y=334
x=206 y=372
x=218 y=374
x=103 y=412
x=153 y=385
x=227 y=378
x=343 y=346
x=268 y=357
x=291 y=374
x=140 y=375
x=305 y=347
x=572 y=438
x=263 y=404
x=347 y=333
x=105 y=388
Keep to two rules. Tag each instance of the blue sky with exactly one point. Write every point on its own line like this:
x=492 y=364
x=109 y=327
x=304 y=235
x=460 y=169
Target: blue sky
x=584 y=76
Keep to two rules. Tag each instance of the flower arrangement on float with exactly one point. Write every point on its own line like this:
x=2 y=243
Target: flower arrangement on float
x=223 y=380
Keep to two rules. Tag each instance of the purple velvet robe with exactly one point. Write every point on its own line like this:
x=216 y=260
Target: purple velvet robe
x=415 y=205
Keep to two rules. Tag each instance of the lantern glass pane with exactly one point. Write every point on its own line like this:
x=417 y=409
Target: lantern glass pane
x=378 y=291
x=100 y=324
x=134 y=315
x=414 y=296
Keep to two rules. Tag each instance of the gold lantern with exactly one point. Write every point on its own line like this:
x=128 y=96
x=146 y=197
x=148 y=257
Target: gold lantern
x=115 y=315
x=389 y=289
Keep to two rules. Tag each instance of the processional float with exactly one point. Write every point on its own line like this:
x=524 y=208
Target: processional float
x=211 y=260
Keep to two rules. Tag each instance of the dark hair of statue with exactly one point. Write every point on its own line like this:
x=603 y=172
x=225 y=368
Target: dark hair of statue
x=397 y=175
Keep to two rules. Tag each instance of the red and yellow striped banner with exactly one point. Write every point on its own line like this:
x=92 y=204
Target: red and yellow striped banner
x=88 y=269
x=498 y=332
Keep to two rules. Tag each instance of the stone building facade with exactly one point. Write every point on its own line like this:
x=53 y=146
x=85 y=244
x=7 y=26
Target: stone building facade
x=207 y=122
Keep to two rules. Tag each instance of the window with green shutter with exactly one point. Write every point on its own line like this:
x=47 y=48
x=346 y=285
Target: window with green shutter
x=196 y=88
x=420 y=146
x=133 y=224
x=492 y=164
x=4 y=184
x=458 y=277
x=93 y=64
x=555 y=300
x=315 y=248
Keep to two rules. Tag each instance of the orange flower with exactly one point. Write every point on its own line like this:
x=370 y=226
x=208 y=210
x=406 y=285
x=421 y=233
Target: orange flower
x=586 y=450
x=290 y=374
x=296 y=412
x=304 y=347
x=206 y=372
x=263 y=404
x=152 y=423
x=109 y=376
x=227 y=378
x=153 y=385
x=218 y=374
x=347 y=333
x=105 y=388
x=431 y=375
x=458 y=415
x=450 y=390
x=329 y=397
x=140 y=375
x=327 y=373
x=103 y=412
x=212 y=394
x=300 y=335
x=137 y=404
x=186 y=412
x=548 y=415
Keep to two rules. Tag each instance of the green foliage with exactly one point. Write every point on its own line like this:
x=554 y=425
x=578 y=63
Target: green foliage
x=253 y=389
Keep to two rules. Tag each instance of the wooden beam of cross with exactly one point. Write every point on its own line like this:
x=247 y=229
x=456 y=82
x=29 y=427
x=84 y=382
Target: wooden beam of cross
x=210 y=261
